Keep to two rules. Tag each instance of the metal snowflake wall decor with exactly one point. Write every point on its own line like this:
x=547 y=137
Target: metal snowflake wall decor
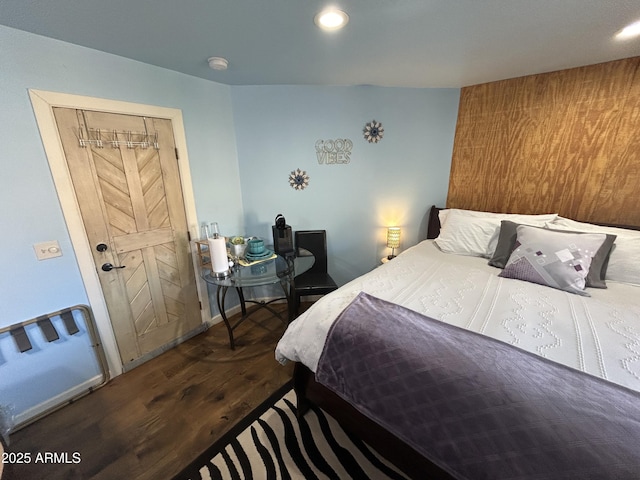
x=373 y=132
x=298 y=179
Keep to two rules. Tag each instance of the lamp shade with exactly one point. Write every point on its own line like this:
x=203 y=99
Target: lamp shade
x=393 y=237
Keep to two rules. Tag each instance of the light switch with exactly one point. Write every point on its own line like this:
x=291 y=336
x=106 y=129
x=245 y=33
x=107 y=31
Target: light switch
x=45 y=250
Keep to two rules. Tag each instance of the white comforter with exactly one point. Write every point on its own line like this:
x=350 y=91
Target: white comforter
x=599 y=335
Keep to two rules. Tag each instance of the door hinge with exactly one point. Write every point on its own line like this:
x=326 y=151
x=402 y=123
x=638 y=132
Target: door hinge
x=200 y=303
x=188 y=235
x=177 y=156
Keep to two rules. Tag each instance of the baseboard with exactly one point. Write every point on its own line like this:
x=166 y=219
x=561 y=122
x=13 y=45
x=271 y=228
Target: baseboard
x=236 y=309
x=173 y=343
x=52 y=404
x=203 y=327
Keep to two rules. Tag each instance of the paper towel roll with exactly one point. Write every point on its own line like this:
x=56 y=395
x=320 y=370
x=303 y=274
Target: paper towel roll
x=218 y=252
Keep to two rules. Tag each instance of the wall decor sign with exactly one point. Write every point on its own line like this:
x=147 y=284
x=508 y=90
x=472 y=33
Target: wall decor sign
x=331 y=152
x=373 y=132
x=298 y=179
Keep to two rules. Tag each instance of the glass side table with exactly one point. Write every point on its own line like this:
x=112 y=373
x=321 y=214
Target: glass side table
x=268 y=272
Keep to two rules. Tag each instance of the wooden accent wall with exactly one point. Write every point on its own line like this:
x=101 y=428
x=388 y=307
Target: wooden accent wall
x=565 y=142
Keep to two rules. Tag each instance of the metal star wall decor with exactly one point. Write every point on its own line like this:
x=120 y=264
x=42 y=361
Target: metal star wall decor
x=373 y=132
x=298 y=179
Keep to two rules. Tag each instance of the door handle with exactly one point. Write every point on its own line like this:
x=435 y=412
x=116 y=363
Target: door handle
x=107 y=267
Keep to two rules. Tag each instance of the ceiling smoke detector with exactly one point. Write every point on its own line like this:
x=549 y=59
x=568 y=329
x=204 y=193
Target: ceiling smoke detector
x=218 y=63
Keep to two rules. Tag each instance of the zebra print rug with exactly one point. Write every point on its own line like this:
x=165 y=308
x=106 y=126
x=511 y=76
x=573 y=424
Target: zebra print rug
x=270 y=443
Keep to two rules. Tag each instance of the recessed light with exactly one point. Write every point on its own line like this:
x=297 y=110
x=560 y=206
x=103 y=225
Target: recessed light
x=630 y=31
x=218 y=63
x=331 y=19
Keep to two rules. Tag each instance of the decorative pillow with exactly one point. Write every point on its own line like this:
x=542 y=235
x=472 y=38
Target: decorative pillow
x=506 y=243
x=624 y=262
x=599 y=263
x=469 y=232
x=557 y=259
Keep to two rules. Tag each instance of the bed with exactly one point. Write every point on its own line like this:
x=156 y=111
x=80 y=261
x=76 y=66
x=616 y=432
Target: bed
x=583 y=333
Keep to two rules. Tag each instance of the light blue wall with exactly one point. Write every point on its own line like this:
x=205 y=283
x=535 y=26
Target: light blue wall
x=29 y=208
x=391 y=182
x=243 y=142
x=240 y=139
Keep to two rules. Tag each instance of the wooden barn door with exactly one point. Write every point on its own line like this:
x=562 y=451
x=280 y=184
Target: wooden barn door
x=130 y=198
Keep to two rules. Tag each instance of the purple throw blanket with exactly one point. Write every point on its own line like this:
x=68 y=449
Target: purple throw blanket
x=477 y=407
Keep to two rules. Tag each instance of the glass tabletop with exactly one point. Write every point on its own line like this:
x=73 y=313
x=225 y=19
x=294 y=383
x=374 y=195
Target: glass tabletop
x=266 y=272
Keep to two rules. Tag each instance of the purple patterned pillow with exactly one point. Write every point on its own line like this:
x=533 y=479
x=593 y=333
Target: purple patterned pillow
x=557 y=259
x=599 y=263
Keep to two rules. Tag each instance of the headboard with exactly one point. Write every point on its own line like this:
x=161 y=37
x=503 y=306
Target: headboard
x=433 y=223
x=563 y=142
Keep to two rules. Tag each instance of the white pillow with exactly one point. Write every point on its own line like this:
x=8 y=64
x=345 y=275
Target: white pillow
x=624 y=262
x=442 y=216
x=514 y=217
x=475 y=233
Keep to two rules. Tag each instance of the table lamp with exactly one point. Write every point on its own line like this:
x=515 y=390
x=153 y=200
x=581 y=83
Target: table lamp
x=393 y=240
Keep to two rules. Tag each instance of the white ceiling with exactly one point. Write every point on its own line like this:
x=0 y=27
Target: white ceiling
x=405 y=43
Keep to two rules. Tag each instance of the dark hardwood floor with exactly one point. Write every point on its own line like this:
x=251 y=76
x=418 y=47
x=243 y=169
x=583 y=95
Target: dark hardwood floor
x=151 y=422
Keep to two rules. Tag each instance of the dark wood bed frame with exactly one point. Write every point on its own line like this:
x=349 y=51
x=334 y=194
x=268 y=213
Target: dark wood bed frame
x=310 y=392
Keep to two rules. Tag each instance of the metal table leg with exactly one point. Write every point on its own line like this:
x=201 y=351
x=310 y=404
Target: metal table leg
x=290 y=292
x=242 y=303
x=221 y=293
x=285 y=283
